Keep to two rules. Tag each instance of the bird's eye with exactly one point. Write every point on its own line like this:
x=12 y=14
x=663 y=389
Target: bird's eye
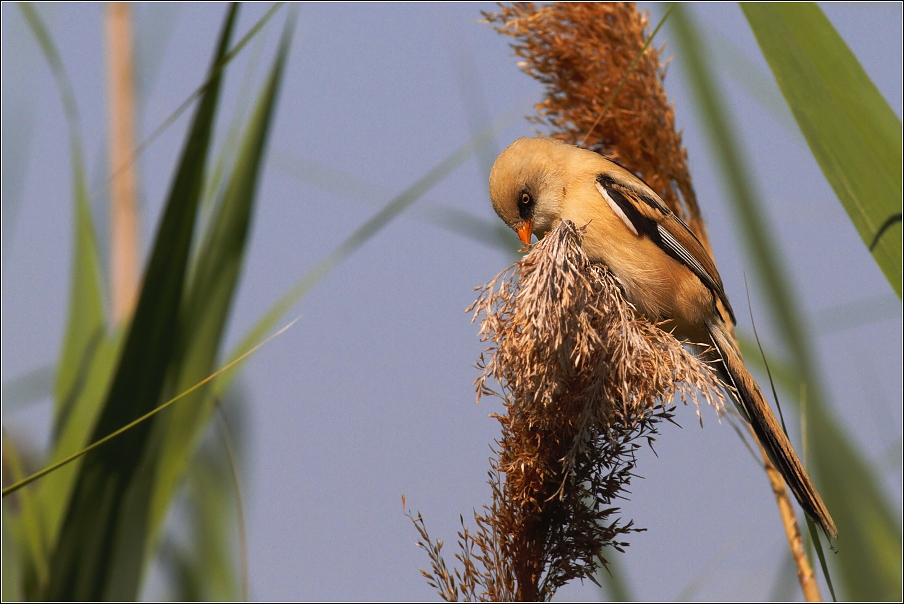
x=525 y=204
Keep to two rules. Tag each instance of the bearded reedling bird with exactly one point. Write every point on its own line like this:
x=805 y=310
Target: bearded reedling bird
x=664 y=270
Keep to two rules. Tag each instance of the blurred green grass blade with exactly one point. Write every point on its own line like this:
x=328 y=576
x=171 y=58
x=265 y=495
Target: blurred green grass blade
x=72 y=367
x=211 y=77
x=893 y=455
x=613 y=580
x=45 y=41
x=86 y=313
x=871 y=534
x=231 y=145
x=11 y=567
x=54 y=492
x=757 y=83
x=231 y=446
x=43 y=505
x=86 y=323
x=21 y=57
x=202 y=564
x=857 y=313
x=845 y=480
x=786 y=585
x=31 y=543
x=154 y=27
x=200 y=568
x=783 y=371
x=9 y=490
x=354 y=241
x=211 y=293
x=101 y=548
x=473 y=99
x=212 y=509
x=28 y=387
x=491 y=233
x=869 y=550
x=816 y=542
x=713 y=115
x=180 y=570
x=852 y=130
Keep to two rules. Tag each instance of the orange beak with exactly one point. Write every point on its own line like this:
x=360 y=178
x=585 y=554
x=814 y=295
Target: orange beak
x=525 y=231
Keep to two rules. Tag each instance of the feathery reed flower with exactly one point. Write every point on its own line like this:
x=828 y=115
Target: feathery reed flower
x=582 y=52
x=584 y=380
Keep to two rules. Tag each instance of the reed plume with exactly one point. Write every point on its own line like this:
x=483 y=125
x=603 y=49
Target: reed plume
x=582 y=52
x=585 y=381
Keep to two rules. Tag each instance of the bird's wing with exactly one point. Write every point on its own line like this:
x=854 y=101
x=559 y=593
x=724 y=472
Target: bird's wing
x=645 y=215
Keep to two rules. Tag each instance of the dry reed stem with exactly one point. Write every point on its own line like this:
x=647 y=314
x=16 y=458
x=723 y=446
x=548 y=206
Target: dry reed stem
x=805 y=575
x=124 y=271
x=581 y=52
x=585 y=381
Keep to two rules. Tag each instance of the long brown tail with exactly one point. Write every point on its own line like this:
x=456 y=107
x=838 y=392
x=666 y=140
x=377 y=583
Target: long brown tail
x=753 y=406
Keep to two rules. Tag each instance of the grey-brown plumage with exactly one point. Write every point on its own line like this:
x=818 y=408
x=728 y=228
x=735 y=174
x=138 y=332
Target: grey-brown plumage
x=663 y=268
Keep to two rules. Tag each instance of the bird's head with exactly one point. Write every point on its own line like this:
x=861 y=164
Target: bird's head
x=527 y=185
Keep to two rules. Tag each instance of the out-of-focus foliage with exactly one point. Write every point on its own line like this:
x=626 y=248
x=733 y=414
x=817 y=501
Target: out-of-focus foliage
x=851 y=129
x=195 y=288
x=88 y=530
x=869 y=544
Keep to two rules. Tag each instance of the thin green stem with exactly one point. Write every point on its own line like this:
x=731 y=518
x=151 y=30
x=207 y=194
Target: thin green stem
x=25 y=481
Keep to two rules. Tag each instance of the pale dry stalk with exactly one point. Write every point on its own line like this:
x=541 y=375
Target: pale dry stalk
x=123 y=185
x=805 y=575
